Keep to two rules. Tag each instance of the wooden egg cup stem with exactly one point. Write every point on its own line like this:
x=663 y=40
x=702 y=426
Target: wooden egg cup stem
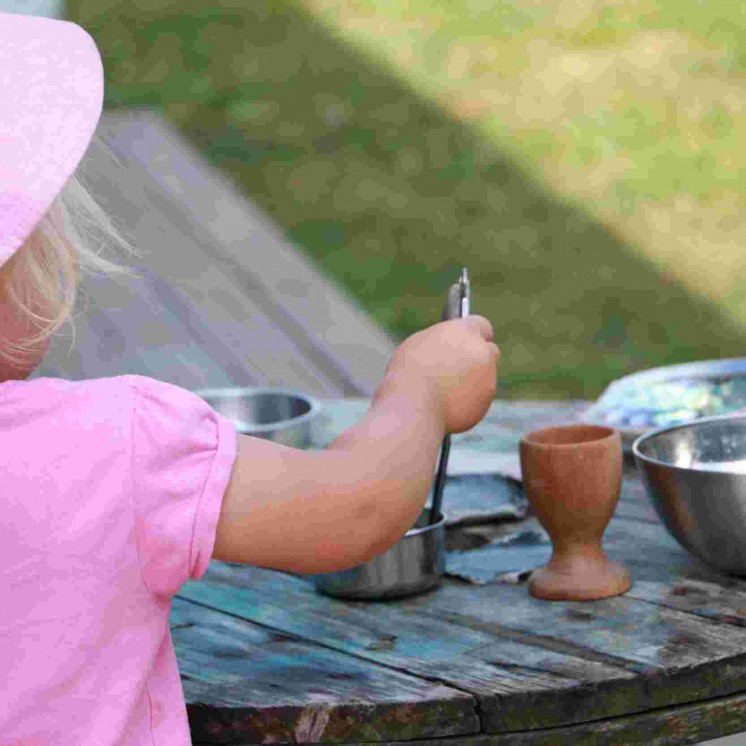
x=579 y=572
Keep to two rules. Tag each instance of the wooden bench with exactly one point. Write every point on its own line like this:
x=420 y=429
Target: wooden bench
x=224 y=299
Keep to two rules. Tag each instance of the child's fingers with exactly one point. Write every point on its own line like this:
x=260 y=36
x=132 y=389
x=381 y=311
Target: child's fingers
x=478 y=324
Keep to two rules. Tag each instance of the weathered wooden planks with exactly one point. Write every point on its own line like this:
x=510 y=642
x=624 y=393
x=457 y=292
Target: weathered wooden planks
x=496 y=641
x=429 y=648
x=277 y=689
x=661 y=665
x=530 y=664
x=686 y=724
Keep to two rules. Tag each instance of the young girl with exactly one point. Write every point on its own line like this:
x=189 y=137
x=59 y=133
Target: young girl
x=115 y=491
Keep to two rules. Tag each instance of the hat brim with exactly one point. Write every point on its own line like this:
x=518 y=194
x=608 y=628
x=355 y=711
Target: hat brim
x=51 y=98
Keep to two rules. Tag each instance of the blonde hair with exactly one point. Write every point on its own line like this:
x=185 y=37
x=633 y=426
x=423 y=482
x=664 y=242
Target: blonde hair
x=41 y=281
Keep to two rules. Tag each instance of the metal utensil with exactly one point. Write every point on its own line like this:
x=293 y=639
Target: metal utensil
x=457 y=306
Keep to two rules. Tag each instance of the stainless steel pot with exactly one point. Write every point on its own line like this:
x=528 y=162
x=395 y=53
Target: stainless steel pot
x=281 y=415
x=414 y=564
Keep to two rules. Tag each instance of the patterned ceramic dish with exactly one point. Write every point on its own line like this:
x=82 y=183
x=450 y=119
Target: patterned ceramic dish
x=671 y=395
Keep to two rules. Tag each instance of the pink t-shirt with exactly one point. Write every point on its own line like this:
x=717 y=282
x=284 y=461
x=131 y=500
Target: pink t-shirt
x=110 y=492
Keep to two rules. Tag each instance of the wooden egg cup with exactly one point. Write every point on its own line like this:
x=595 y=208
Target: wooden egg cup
x=572 y=477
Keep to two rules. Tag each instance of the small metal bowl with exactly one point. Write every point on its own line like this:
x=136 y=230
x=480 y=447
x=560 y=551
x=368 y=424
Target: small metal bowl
x=695 y=475
x=414 y=564
x=281 y=415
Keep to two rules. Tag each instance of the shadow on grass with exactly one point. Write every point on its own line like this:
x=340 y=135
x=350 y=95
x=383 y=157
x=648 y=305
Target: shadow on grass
x=391 y=195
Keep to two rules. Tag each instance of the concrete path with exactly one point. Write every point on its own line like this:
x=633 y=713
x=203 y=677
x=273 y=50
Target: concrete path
x=224 y=299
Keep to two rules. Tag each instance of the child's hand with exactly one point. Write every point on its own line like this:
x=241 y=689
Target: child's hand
x=458 y=360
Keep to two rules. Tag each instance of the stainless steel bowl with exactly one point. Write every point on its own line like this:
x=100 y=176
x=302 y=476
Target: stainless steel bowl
x=695 y=475
x=282 y=415
x=414 y=564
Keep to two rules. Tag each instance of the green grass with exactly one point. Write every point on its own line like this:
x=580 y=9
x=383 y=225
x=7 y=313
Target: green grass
x=583 y=160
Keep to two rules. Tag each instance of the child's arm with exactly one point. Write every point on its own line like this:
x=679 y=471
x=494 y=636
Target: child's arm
x=307 y=511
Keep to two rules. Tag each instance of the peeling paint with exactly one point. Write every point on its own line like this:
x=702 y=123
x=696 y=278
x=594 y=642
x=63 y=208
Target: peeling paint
x=311 y=725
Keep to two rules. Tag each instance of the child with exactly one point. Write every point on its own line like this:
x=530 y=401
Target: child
x=115 y=491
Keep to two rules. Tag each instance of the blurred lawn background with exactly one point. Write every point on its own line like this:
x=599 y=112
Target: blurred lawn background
x=585 y=161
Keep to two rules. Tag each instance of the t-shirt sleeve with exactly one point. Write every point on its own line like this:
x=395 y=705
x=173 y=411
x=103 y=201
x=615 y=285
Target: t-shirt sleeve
x=182 y=456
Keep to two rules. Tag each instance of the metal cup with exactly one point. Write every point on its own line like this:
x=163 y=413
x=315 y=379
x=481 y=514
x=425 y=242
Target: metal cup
x=283 y=415
x=414 y=564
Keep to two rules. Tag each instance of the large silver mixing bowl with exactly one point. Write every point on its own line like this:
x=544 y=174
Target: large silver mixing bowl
x=282 y=415
x=695 y=475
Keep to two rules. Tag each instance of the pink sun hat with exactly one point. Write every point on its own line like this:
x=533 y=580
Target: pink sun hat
x=51 y=98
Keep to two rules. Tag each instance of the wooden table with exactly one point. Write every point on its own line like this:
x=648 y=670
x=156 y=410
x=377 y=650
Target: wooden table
x=266 y=659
